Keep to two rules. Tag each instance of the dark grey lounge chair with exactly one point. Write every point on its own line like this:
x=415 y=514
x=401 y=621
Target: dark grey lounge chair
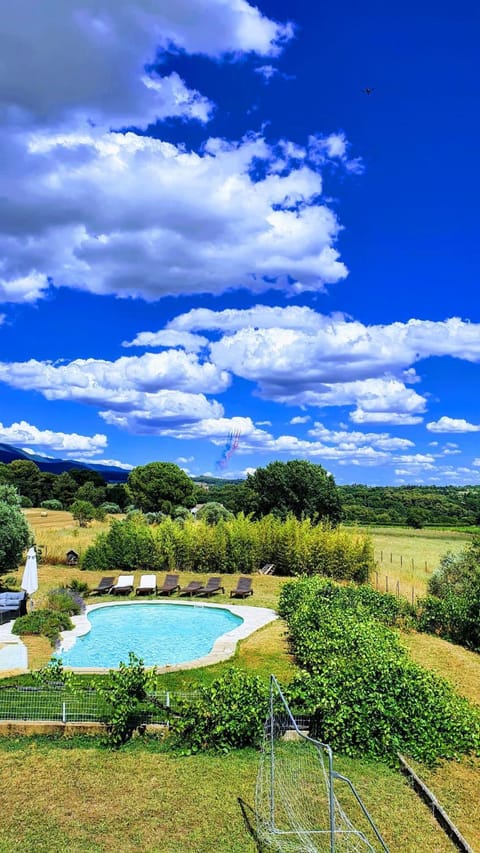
x=193 y=588
x=212 y=586
x=242 y=589
x=169 y=585
x=104 y=586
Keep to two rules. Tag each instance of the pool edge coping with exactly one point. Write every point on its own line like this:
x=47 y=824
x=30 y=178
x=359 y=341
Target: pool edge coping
x=223 y=648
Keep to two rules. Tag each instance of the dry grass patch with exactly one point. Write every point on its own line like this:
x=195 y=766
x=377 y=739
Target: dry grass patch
x=410 y=556
x=461 y=667
x=57 y=532
x=455 y=784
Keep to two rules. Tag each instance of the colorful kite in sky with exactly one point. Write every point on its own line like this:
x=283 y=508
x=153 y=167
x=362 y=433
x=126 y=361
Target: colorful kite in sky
x=229 y=449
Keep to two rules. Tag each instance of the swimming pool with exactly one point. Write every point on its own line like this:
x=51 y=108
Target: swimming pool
x=161 y=634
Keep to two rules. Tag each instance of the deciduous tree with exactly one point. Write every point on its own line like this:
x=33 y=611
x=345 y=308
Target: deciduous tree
x=15 y=533
x=297 y=487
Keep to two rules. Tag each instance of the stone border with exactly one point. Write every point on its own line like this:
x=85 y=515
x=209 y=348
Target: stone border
x=223 y=647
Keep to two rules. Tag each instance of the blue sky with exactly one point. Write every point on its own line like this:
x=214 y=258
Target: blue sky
x=207 y=228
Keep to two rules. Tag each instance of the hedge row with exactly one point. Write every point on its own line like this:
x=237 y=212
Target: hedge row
x=366 y=695
x=233 y=545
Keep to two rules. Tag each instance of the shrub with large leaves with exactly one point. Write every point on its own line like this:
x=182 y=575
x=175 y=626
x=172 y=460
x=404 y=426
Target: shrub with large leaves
x=367 y=697
x=229 y=713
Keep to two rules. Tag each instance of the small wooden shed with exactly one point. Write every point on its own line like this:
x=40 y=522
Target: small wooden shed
x=72 y=558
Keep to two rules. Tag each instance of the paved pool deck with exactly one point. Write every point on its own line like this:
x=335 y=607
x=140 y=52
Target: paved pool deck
x=13 y=653
x=223 y=648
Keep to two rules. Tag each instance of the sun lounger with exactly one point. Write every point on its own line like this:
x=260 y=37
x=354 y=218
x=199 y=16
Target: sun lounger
x=104 y=586
x=267 y=569
x=169 y=585
x=147 y=585
x=242 y=589
x=212 y=586
x=193 y=588
x=123 y=586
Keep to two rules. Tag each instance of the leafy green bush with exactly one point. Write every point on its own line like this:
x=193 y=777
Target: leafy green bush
x=228 y=714
x=46 y=622
x=366 y=695
x=126 y=694
x=362 y=599
x=65 y=600
x=53 y=673
x=80 y=587
x=212 y=512
x=52 y=504
x=111 y=508
x=452 y=609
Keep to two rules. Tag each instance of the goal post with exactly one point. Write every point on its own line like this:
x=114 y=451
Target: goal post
x=296 y=804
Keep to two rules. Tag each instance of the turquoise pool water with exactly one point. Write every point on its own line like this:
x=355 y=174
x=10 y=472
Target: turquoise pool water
x=160 y=634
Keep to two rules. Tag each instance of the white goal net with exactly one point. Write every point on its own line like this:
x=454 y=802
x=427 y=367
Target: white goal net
x=297 y=807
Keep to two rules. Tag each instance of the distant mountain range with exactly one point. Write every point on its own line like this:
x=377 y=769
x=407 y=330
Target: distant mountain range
x=111 y=474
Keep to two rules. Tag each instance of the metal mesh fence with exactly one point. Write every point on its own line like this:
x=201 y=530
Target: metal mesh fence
x=57 y=704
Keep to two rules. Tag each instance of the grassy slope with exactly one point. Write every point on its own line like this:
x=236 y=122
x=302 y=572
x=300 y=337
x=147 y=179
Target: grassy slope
x=404 y=821
x=455 y=784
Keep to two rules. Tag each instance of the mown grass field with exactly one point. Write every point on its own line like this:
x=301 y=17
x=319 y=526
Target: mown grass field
x=76 y=795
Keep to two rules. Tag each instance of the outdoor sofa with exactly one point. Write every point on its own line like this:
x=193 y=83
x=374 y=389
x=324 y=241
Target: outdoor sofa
x=12 y=604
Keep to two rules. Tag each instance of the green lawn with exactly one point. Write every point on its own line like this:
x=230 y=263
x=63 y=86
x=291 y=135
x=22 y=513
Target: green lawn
x=76 y=796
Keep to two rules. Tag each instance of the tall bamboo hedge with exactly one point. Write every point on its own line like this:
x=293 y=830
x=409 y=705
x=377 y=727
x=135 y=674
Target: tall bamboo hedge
x=234 y=545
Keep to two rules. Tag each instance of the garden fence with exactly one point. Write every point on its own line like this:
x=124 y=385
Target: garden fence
x=58 y=704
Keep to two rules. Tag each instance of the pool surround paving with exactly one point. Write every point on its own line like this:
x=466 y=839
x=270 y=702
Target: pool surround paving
x=223 y=647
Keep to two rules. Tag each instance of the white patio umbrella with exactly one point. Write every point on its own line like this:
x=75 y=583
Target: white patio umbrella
x=30 y=573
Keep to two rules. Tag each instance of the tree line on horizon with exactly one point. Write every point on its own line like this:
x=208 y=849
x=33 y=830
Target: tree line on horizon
x=299 y=487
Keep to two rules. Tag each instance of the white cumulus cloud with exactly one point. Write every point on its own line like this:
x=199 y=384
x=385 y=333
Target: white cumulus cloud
x=92 y=59
x=165 y=220
x=25 y=433
x=446 y=424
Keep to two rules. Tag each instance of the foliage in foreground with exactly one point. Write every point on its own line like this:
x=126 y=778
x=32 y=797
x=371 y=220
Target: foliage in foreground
x=228 y=714
x=366 y=695
x=452 y=608
x=15 y=533
x=126 y=694
x=49 y=623
x=232 y=545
